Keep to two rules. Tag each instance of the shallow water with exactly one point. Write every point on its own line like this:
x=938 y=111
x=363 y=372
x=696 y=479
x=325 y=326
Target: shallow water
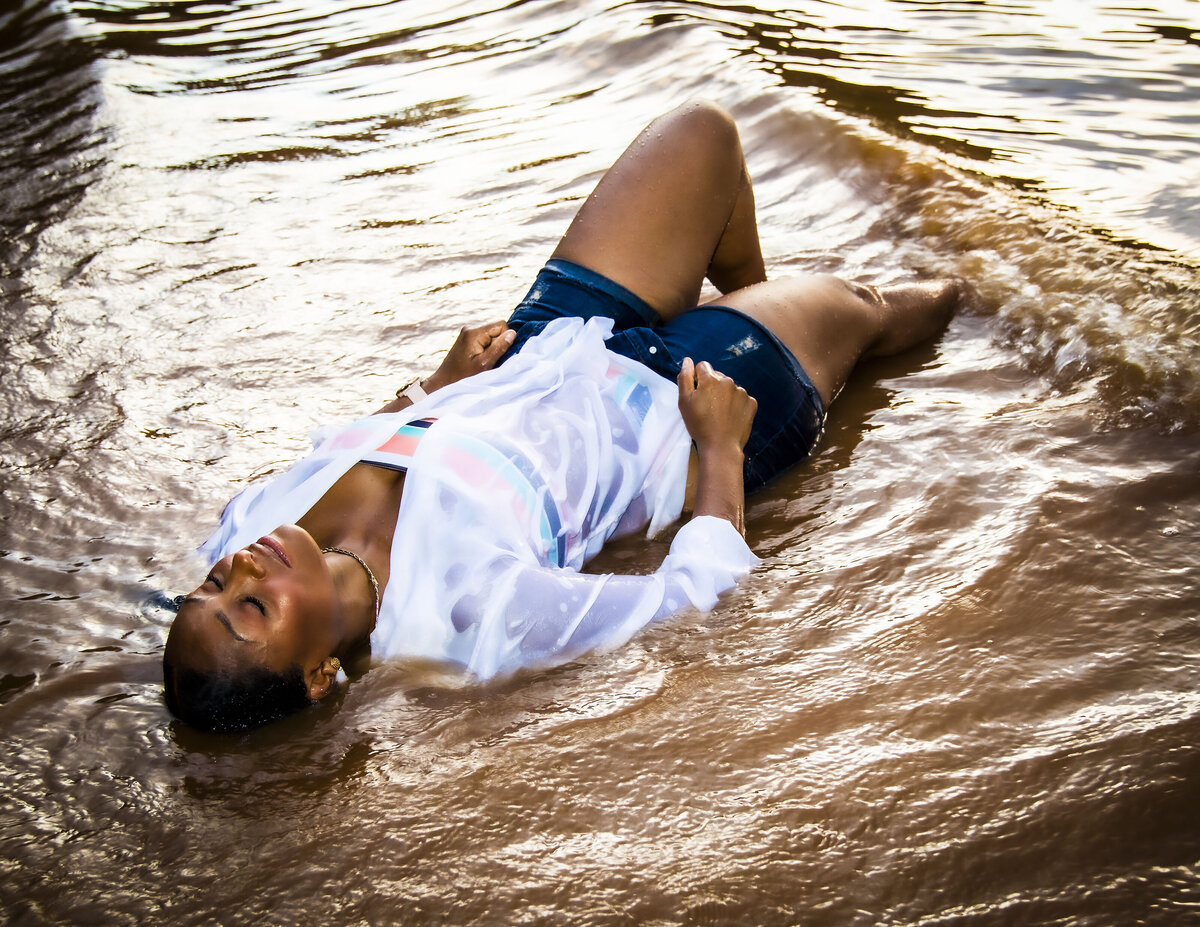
x=960 y=689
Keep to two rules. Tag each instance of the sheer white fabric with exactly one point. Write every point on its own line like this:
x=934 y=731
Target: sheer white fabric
x=526 y=472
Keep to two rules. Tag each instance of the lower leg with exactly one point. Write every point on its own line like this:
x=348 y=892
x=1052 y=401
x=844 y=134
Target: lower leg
x=829 y=324
x=913 y=313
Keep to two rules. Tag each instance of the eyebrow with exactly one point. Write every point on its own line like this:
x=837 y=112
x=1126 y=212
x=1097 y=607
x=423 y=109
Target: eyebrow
x=224 y=619
x=221 y=617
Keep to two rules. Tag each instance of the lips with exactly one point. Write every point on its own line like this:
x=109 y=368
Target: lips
x=276 y=548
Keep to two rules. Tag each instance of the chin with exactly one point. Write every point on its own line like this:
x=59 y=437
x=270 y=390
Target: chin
x=296 y=540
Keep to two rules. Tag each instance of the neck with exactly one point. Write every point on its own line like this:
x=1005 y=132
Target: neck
x=357 y=595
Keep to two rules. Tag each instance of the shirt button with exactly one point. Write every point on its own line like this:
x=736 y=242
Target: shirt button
x=653 y=349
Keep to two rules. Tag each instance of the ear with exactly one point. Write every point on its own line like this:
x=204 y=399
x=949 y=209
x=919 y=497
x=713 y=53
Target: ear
x=320 y=679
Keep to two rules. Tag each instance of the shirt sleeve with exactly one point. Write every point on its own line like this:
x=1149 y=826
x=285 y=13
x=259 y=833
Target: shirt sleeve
x=550 y=614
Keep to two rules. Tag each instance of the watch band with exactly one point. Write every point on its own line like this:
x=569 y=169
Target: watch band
x=414 y=392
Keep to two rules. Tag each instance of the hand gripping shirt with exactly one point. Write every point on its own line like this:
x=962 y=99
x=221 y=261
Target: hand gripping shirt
x=515 y=478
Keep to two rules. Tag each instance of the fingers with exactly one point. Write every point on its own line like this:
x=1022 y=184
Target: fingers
x=482 y=334
x=475 y=349
x=704 y=378
x=706 y=372
x=485 y=344
x=488 y=330
x=717 y=413
x=686 y=379
x=500 y=342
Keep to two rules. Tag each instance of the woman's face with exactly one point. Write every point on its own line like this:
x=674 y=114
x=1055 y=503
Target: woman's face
x=272 y=603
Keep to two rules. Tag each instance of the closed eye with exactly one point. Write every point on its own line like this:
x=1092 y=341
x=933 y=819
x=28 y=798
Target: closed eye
x=257 y=603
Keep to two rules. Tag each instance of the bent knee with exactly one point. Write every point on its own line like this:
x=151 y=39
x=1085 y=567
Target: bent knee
x=865 y=293
x=854 y=313
x=708 y=113
x=708 y=123
x=861 y=301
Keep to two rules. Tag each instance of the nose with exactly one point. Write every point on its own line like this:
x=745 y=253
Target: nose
x=245 y=564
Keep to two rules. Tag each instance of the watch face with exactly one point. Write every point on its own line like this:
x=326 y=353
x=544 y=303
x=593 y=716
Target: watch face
x=413 y=391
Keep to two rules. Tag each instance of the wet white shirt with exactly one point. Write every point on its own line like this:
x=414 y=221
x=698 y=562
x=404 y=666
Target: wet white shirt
x=515 y=478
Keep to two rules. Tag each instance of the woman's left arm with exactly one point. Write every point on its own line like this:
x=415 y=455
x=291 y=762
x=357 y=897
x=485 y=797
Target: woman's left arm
x=541 y=615
x=718 y=414
x=475 y=350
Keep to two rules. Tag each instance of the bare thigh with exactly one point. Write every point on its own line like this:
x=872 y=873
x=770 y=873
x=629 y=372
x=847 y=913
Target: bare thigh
x=827 y=323
x=676 y=206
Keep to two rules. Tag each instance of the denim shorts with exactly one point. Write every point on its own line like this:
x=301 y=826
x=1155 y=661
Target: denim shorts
x=790 y=411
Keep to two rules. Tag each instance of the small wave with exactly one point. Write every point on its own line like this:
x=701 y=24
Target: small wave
x=1086 y=310
x=1114 y=320
x=248 y=45
x=51 y=148
x=1023 y=183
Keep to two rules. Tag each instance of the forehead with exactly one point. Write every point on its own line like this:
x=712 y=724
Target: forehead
x=202 y=638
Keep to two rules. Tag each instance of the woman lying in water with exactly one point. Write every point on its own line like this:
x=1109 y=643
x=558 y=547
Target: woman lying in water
x=453 y=523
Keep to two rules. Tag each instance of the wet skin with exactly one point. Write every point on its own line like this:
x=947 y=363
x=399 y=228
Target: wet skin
x=272 y=604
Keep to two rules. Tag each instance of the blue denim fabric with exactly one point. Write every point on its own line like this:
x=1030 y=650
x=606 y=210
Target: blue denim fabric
x=790 y=411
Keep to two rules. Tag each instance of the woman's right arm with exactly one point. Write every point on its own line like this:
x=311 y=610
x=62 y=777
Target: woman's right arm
x=475 y=350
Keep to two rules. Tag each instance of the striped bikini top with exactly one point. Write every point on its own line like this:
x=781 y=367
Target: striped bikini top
x=483 y=464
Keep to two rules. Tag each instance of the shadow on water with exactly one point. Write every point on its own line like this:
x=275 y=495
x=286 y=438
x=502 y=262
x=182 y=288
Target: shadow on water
x=780 y=41
x=52 y=145
x=867 y=392
x=246 y=775
x=268 y=45
x=785 y=513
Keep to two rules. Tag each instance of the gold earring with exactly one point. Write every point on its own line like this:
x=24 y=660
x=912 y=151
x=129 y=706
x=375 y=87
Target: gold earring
x=337 y=664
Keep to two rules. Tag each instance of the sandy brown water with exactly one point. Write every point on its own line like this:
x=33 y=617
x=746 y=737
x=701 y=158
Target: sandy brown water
x=962 y=687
